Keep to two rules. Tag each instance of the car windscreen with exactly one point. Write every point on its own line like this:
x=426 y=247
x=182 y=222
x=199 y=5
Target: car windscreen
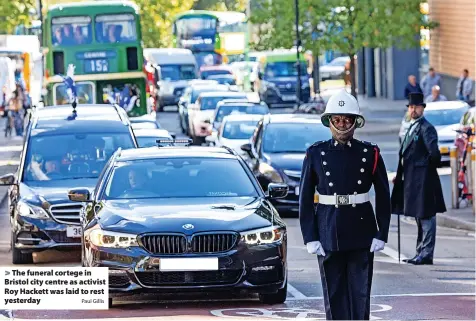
x=210 y=103
x=150 y=141
x=445 y=116
x=206 y=73
x=240 y=109
x=223 y=79
x=239 y=129
x=283 y=69
x=71 y=156
x=145 y=125
x=178 y=72
x=197 y=92
x=179 y=177
x=293 y=137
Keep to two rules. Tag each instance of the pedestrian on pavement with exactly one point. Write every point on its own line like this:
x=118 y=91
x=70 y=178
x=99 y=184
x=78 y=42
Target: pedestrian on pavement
x=16 y=113
x=429 y=81
x=417 y=188
x=412 y=86
x=435 y=95
x=464 y=88
x=342 y=228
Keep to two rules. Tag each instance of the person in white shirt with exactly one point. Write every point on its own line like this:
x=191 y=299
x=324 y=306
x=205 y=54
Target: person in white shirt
x=435 y=95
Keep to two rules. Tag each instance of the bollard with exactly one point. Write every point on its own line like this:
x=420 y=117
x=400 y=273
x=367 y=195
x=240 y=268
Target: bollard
x=454 y=177
x=473 y=164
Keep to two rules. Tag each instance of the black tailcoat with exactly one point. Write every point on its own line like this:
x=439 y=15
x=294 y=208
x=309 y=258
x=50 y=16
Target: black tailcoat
x=417 y=191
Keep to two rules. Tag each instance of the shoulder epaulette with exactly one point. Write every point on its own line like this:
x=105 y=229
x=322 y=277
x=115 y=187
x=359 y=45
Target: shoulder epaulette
x=318 y=143
x=368 y=143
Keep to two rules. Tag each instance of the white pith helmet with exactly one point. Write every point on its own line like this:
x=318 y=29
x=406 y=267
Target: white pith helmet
x=342 y=103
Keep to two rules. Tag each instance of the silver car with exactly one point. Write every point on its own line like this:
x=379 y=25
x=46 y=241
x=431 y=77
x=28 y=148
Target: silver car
x=445 y=116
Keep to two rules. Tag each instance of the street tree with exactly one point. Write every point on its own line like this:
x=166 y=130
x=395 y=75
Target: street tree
x=157 y=17
x=14 y=13
x=220 y=5
x=347 y=26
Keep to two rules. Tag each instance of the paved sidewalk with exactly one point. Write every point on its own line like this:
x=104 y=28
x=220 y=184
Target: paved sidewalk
x=462 y=219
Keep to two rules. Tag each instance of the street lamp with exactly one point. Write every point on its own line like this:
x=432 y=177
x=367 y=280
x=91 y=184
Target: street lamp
x=298 y=63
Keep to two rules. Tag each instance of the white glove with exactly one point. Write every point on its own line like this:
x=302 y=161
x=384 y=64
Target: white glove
x=315 y=247
x=377 y=245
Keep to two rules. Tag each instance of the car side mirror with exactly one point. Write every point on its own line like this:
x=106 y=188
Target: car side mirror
x=8 y=179
x=247 y=148
x=277 y=190
x=173 y=135
x=79 y=195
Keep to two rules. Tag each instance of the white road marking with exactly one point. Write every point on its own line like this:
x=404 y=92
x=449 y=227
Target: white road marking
x=465 y=282
x=393 y=254
x=10 y=148
x=402 y=295
x=295 y=292
x=9 y=162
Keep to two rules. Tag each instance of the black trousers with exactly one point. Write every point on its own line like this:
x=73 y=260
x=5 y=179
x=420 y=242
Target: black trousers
x=346 y=283
x=426 y=237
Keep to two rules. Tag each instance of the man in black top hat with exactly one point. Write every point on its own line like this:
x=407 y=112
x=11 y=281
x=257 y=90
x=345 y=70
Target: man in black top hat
x=417 y=188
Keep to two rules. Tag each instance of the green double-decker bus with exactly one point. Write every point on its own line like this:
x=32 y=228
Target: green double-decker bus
x=103 y=40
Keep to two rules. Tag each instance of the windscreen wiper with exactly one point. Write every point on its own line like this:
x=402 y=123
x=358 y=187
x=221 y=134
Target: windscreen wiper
x=224 y=207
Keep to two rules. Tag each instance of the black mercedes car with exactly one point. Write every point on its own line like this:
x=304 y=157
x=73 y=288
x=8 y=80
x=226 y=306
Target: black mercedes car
x=61 y=150
x=181 y=218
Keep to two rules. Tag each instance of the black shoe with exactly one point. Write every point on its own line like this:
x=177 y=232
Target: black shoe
x=408 y=260
x=422 y=261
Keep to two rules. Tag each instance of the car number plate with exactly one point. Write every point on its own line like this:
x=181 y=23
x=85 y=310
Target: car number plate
x=297 y=191
x=188 y=264
x=73 y=231
x=289 y=97
x=444 y=150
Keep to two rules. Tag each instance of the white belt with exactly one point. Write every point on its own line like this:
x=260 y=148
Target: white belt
x=344 y=199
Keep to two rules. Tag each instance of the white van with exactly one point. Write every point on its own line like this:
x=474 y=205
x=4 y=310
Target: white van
x=176 y=67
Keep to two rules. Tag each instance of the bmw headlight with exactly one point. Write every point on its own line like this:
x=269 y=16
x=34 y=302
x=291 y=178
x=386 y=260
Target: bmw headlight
x=267 y=235
x=270 y=173
x=102 y=238
x=28 y=210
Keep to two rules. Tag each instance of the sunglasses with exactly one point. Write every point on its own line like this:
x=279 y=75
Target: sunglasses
x=336 y=120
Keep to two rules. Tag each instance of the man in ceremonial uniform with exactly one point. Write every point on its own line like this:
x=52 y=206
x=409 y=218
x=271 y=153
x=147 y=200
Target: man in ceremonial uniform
x=342 y=228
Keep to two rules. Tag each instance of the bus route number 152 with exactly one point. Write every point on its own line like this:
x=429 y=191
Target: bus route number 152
x=96 y=65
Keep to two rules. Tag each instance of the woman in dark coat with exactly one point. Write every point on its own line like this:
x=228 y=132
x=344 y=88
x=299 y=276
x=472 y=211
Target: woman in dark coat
x=417 y=188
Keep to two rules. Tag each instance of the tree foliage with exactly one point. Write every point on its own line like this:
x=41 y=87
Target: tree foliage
x=14 y=13
x=225 y=5
x=346 y=26
x=157 y=17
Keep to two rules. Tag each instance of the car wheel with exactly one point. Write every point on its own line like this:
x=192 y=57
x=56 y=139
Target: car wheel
x=161 y=107
x=274 y=298
x=18 y=257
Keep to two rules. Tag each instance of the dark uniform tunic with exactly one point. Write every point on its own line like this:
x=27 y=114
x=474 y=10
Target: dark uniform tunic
x=346 y=231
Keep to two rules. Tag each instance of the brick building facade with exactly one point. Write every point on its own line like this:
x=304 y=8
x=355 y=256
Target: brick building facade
x=453 y=43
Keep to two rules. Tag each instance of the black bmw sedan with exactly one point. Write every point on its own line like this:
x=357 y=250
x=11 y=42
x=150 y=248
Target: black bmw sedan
x=173 y=219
